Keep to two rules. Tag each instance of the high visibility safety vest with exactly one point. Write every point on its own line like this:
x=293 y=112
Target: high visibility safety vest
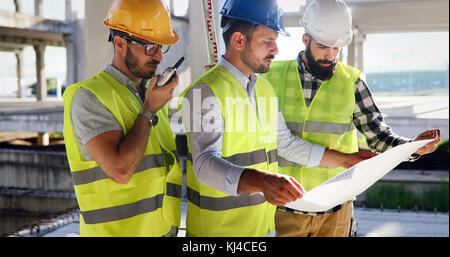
x=249 y=140
x=112 y=209
x=328 y=121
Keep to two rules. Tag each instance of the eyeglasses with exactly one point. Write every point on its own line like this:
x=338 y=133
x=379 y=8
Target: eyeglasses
x=150 y=48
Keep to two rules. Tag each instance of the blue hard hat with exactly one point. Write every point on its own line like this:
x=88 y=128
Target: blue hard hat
x=261 y=12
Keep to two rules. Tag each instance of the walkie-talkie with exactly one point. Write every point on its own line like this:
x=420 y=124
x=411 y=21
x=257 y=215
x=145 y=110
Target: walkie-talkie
x=169 y=74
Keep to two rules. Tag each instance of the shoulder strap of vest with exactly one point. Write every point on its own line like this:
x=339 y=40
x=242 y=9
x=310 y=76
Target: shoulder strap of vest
x=122 y=96
x=348 y=71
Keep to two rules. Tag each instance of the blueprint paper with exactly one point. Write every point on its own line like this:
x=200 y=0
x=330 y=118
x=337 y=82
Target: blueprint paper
x=354 y=180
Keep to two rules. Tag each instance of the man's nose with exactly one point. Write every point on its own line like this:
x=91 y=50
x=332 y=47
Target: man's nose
x=158 y=55
x=275 y=49
x=331 y=53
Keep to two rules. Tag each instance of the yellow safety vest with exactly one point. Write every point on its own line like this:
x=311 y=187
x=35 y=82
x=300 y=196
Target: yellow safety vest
x=108 y=208
x=249 y=140
x=328 y=121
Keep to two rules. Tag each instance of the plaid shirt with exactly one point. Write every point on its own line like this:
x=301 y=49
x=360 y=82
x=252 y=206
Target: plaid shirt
x=367 y=118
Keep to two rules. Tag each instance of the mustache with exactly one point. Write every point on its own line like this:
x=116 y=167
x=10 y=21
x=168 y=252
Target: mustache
x=269 y=57
x=152 y=63
x=326 y=62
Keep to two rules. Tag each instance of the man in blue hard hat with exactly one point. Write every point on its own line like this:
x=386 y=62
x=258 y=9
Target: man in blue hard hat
x=235 y=132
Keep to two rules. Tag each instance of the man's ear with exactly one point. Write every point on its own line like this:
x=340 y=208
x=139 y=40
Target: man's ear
x=120 y=44
x=238 y=40
x=305 y=39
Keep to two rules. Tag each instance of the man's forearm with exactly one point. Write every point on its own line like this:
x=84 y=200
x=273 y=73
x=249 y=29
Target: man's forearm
x=132 y=147
x=120 y=155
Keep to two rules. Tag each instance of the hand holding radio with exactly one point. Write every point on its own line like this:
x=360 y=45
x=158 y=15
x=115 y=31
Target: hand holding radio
x=169 y=73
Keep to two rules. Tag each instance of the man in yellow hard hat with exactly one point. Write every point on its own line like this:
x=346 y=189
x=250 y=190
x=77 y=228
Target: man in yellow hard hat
x=325 y=102
x=235 y=130
x=118 y=151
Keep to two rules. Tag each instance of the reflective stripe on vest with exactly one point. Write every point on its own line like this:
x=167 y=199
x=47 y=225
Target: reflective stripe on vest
x=173 y=190
x=224 y=203
x=94 y=174
x=255 y=157
x=247 y=159
x=320 y=127
x=123 y=211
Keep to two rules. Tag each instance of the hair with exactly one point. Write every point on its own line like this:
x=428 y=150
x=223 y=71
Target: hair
x=113 y=33
x=231 y=26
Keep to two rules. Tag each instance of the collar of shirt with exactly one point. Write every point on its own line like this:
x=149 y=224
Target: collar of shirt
x=122 y=79
x=246 y=83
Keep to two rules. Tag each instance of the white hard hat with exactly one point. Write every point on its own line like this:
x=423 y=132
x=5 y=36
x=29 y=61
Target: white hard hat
x=329 y=22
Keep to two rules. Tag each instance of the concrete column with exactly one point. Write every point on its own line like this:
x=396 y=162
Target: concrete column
x=351 y=56
x=41 y=80
x=197 y=35
x=356 y=50
x=43 y=139
x=70 y=60
x=38 y=7
x=75 y=43
x=19 y=55
x=58 y=89
x=68 y=5
x=98 y=50
x=18 y=5
x=360 y=38
x=197 y=38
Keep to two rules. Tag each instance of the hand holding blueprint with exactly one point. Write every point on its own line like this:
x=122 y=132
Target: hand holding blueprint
x=354 y=180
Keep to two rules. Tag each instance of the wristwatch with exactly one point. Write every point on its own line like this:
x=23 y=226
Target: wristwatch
x=152 y=118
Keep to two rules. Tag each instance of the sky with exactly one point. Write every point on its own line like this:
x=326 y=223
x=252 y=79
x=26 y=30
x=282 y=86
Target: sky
x=382 y=52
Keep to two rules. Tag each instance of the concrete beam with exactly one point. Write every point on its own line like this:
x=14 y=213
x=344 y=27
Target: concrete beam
x=10 y=47
x=32 y=122
x=20 y=28
x=34 y=23
x=26 y=115
x=27 y=37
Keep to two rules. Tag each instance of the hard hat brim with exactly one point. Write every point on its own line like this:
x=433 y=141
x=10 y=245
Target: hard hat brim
x=335 y=43
x=280 y=30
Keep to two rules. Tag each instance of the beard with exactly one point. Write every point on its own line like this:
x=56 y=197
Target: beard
x=132 y=64
x=320 y=72
x=249 y=59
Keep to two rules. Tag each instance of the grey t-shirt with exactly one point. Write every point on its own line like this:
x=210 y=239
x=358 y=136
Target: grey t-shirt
x=90 y=117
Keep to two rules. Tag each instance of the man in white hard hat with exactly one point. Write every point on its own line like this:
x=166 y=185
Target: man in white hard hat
x=324 y=101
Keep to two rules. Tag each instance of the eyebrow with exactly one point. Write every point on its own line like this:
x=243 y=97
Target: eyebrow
x=269 y=37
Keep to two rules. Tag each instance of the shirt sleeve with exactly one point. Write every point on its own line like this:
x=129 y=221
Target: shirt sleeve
x=295 y=149
x=369 y=121
x=90 y=118
x=202 y=118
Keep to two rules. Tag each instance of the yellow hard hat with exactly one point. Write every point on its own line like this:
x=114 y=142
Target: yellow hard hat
x=146 y=19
